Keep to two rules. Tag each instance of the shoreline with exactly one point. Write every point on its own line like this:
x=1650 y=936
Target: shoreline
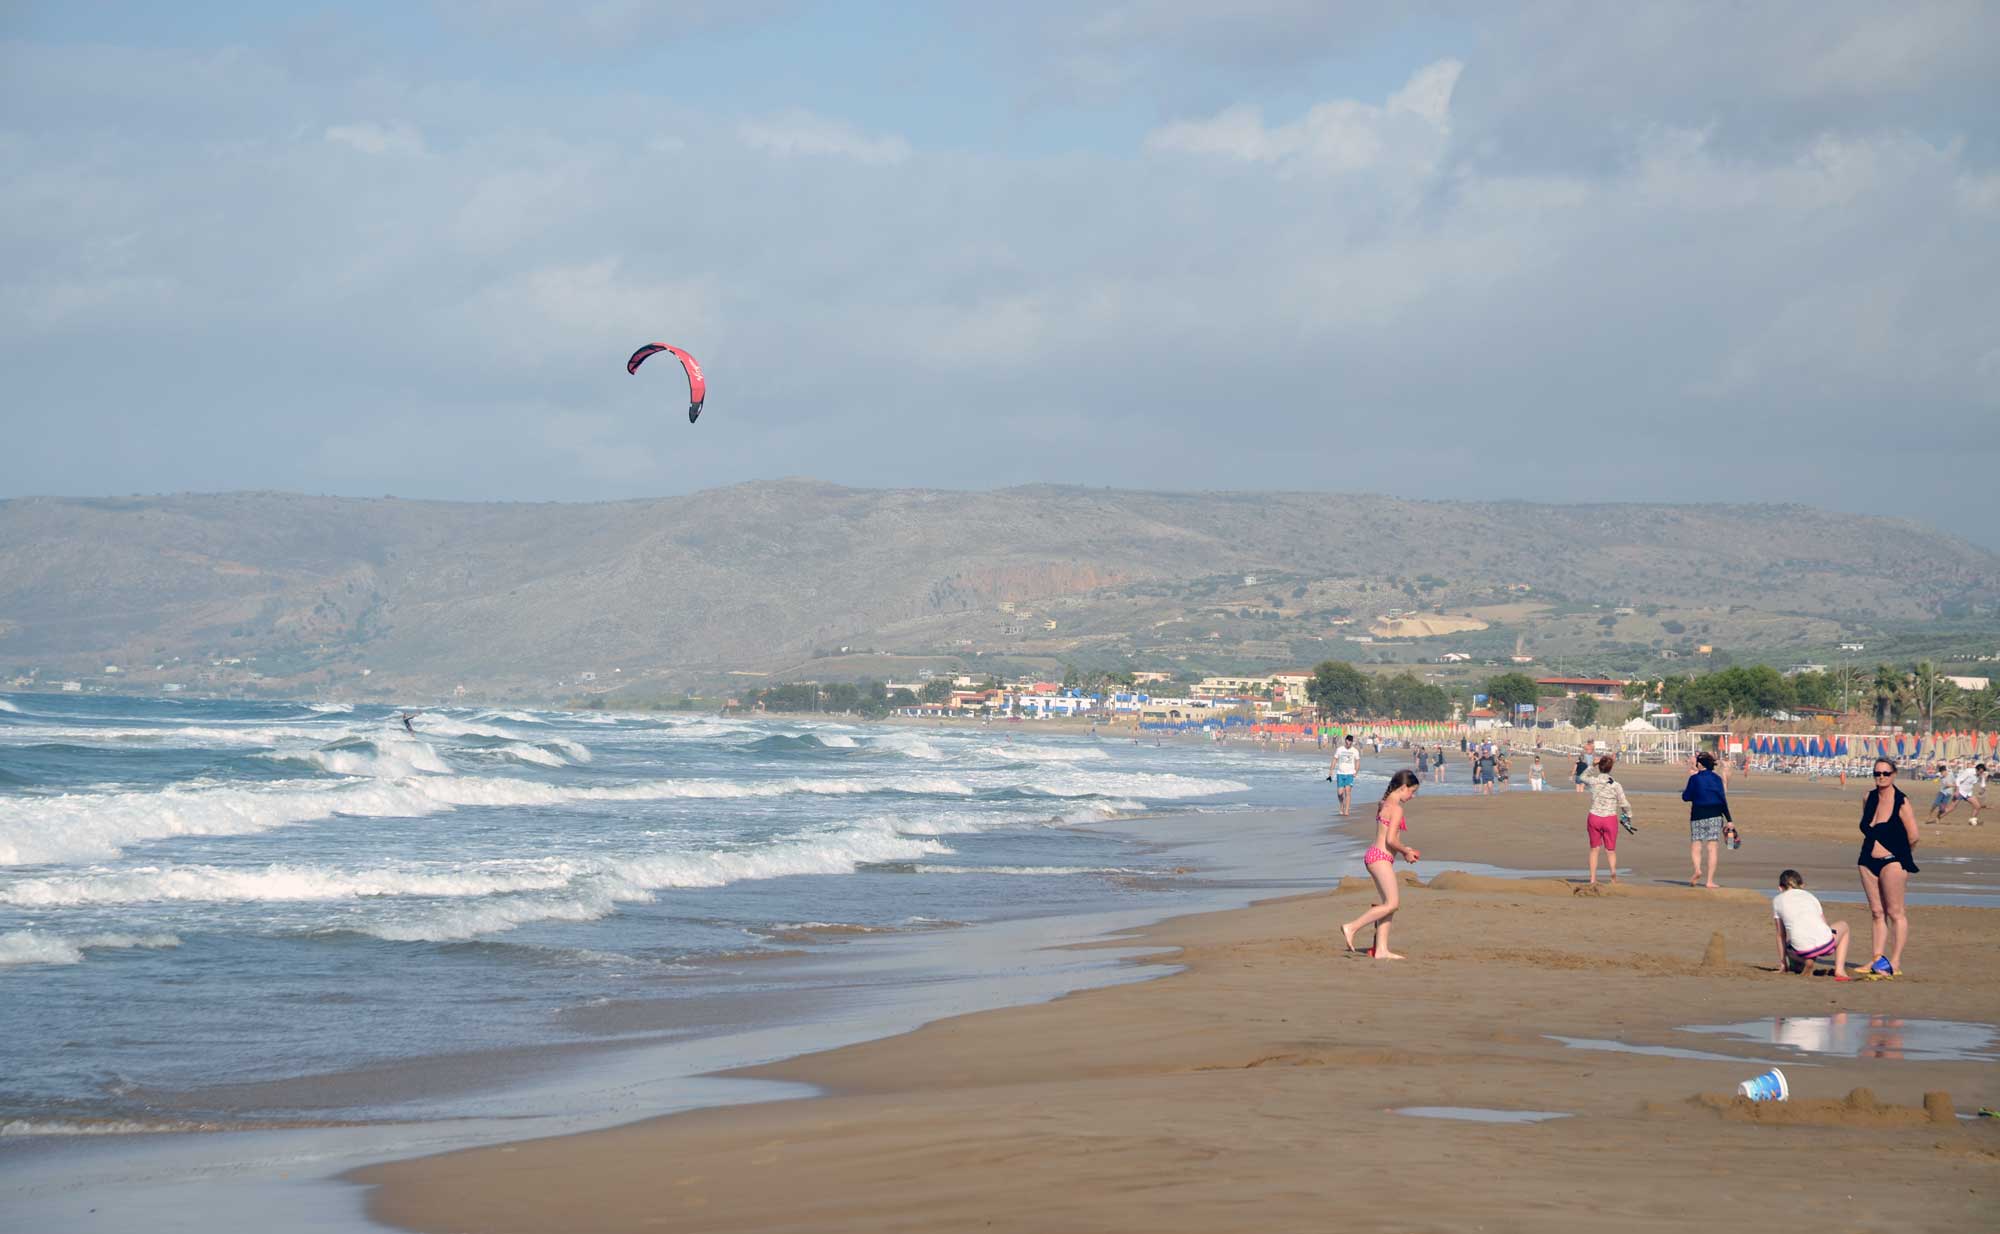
x=870 y=987
x=1267 y=1051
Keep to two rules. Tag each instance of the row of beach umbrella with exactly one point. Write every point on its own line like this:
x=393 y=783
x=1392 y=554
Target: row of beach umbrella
x=1949 y=744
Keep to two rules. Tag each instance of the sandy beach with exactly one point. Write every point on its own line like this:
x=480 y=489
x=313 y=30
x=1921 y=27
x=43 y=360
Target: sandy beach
x=1255 y=1088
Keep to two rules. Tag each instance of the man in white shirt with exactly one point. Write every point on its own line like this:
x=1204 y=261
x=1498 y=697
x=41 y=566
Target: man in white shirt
x=1346 y=765
x=1968 y=785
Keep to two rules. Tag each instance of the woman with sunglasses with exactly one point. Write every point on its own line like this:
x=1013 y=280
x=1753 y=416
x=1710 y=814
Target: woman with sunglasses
x=1888 y=834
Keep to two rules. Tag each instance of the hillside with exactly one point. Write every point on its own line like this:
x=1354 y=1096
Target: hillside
x=759 y=578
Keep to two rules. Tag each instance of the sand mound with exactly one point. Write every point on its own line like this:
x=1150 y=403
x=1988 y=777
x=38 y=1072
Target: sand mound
x=1858 y=1109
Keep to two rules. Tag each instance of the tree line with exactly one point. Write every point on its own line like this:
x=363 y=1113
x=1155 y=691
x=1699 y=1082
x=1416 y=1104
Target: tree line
x=1919 y=694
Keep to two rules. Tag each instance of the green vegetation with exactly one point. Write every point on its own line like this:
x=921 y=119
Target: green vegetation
x=1340 y=689
x=1919 y=695
x=1510 y=691
x=867 y=698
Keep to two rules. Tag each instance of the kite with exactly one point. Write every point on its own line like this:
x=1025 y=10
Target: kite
x=697 y=385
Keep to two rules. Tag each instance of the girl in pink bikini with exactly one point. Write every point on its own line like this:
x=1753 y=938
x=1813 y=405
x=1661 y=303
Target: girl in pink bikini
x=1380 y=861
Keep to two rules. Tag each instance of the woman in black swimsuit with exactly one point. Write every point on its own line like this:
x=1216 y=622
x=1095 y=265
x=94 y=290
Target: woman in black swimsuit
x=1888 y=834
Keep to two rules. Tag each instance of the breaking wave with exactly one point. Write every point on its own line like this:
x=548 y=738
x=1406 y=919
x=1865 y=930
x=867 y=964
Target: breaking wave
x=30 y=947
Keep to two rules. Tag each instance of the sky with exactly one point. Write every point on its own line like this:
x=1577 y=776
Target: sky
x=1549 y=251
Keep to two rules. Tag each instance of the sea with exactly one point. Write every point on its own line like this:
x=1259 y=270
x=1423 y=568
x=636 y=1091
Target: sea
x=222 y=916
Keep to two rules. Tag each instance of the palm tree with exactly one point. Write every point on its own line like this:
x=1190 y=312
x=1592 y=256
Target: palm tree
x=1982 y=709
x=1850 y=683
x=1927 y=687
x=1888 y=687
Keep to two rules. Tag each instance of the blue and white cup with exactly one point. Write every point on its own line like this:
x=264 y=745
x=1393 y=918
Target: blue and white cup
x=1770 y=1086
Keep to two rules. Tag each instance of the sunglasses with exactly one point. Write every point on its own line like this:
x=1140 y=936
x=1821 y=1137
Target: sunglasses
x=1885 y=775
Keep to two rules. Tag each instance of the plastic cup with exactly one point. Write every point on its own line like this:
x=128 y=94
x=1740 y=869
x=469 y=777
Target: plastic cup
x=1770 y=1086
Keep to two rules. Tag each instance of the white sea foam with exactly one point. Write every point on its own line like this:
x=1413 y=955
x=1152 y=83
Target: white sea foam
x=7 y=706
x=280 y=883
x=187 y=735
x=30 y=947
x=597 y=893
x=445 y=726
x=522 y=752
x=102 y=1126
x=383 y=758
x=92 y=826
x=331 y=709
x=1070 y=782
x=518 y=717
x=836 y=741
x=1016 y=752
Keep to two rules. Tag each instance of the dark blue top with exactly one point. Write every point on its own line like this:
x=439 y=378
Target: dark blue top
x=1705 y=796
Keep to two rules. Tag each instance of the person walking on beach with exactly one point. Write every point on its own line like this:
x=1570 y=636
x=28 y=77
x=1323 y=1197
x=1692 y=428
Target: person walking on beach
x=1503 y=769
x=1803 y=932
x=1889 y=836
x=1582 y=765
x=1423 y=762
x=1607 y=805
x=1482 y=772
x=1437 y=764
x=1535 y=774
x=1380 y=862
x=1708 y=811
x=1346 y=765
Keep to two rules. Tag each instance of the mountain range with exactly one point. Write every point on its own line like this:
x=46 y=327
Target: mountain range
x=287 y=593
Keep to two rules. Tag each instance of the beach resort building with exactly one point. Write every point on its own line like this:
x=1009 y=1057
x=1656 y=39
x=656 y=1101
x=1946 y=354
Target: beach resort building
x=1604 y=689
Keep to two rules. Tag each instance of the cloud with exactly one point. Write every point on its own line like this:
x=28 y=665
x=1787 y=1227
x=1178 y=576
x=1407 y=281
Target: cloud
x=598 y=26
x=393 y=139
x=802 y=134
x=391 y=281
x=1337 y=136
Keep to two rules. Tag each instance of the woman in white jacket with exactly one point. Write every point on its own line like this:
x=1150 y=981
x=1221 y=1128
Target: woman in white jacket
x=1607 y=805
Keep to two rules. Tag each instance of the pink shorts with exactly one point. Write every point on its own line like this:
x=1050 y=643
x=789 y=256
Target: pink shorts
x=1374 y=855
x=1603 y=829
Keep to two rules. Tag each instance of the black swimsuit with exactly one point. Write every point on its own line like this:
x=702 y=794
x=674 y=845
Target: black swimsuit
x=1889 y=834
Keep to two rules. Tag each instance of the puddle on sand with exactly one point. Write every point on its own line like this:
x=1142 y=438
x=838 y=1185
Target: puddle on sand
x=1474 y=1114
x=1869 y=1036
x=1656 y=1051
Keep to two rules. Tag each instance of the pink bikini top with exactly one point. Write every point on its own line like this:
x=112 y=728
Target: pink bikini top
x=1401 y=823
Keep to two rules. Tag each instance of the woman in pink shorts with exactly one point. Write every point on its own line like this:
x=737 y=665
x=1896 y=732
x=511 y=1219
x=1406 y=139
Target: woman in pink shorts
x=1380 y=862
x=1607 y=802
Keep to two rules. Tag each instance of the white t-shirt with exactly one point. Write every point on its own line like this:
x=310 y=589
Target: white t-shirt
x=1805 y=922
x=1347 y=760
x=1968 y=783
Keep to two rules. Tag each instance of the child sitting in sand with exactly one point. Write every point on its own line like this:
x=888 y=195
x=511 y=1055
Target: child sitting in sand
x=1803 y=933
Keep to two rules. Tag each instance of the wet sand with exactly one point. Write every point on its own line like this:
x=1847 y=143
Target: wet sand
x=1254 y=1088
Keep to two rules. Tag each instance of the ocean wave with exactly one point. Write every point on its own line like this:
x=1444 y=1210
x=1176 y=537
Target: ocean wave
x=103 y=1126
x=518 y=717
x=1022 y=752
x=379 y=758
x=477 y=901
x=1157 y=785
x=88 y=826
x=29 y=947
x=330 y=709
x=197 y=735
x=7 y=706
x=280 y=883
x=433 y=724
x=598 y=892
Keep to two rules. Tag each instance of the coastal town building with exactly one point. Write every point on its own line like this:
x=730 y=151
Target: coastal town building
x=1604 y=689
